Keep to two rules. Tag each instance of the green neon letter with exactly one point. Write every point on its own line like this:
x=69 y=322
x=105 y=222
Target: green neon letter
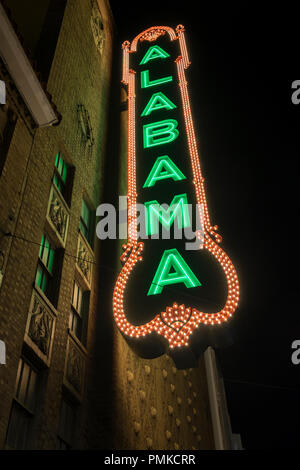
x=158 y=101
x=154 y=52
x=155 y=213
x=162 y=169
x=160 y=132
x=180 y=272
x=146 y=82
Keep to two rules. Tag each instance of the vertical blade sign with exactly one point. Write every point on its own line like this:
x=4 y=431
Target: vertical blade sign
x=177 y=288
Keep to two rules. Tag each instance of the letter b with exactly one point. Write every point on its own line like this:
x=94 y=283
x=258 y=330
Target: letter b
x=160 y=132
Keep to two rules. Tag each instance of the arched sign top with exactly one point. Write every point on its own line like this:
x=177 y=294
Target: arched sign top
x=151 y=34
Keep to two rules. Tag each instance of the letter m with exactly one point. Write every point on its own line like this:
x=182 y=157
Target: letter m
x=155 y=213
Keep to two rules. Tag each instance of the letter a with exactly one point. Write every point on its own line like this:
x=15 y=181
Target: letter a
x=172 y=269
x=162 y=169
x=154 y=52
x=158 y=101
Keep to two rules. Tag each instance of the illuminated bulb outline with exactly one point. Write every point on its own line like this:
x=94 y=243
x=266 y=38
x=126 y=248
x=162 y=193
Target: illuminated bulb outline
x=177 y=336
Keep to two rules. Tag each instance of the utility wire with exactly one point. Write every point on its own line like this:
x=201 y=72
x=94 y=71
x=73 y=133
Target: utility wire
x=39 y=244
x=17 y=237
x=228 y=380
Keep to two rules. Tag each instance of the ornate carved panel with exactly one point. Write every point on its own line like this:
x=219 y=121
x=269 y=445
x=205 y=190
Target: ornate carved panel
x=97 y=26
x=74 y=368
x=86 y=130
x=152 y=34
x=58 y=215
x=84 y=260
x=40 y=327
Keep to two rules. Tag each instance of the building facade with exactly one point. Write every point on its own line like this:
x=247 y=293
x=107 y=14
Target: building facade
x=69 y=379
x=51 y=182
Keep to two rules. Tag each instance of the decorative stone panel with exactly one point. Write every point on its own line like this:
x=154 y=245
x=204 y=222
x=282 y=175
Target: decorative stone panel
x=84 y=260
x=58 y=215
x=85 y=125
x=97 y=26
x=75 y=368
x=40 y=327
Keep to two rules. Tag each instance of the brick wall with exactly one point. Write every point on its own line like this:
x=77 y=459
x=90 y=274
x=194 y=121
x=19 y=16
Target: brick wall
x=14 y=293
x=80 y=75
x=157 y=406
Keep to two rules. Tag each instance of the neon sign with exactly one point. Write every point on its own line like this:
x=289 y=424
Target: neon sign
x=164 y=297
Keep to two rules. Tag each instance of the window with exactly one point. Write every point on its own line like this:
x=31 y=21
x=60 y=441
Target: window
x=62 y=177
x=87 y=222
x=77 y=297
x=45 y=266
x=66 y=425
x=46 y=273
x=60 y=174
x=23 y=407
x=26 y=385
x=8 y=121
x=79 y=312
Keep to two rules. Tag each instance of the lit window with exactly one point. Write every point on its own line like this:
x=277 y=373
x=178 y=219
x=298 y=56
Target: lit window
x=23 y=407
x=79 y=312
x=77 y=297
x=47 y=270
x=86 y=222
x=62 y=177
x=45 y=267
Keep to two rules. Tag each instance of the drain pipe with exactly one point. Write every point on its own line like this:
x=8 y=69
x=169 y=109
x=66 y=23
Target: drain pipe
x=214 y=398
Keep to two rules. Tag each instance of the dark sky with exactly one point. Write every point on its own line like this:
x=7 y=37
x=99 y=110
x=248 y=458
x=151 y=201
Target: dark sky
x=244 y=59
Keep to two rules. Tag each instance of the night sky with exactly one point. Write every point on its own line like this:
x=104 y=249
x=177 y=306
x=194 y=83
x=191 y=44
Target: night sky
x=244 y=60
